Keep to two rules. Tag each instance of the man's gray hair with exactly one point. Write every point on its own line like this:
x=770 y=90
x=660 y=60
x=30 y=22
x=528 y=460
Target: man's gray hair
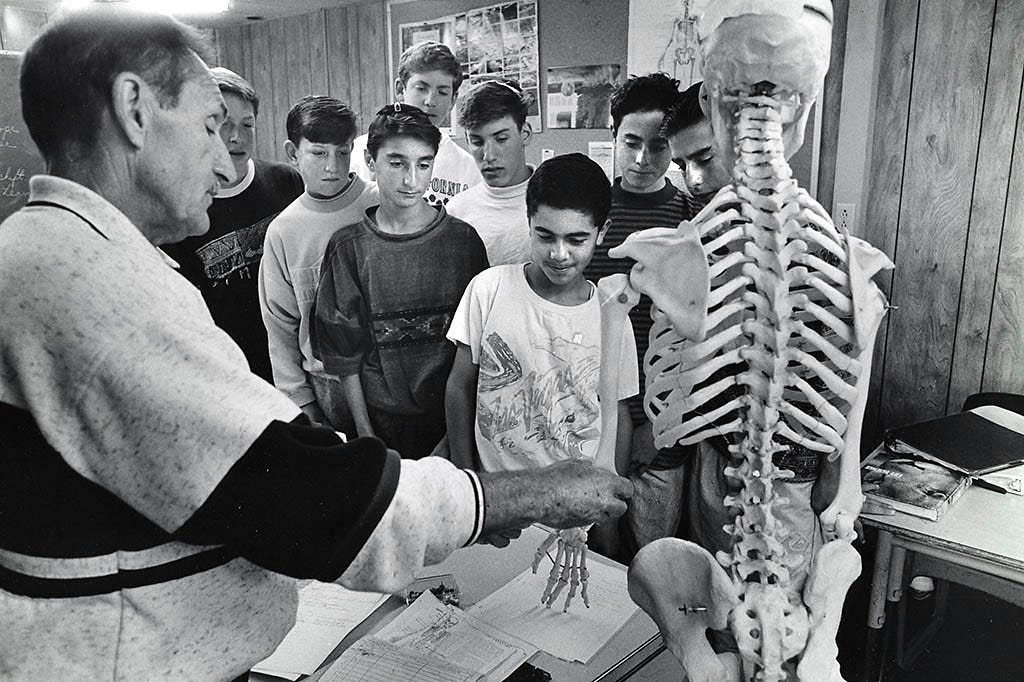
x=68 y=72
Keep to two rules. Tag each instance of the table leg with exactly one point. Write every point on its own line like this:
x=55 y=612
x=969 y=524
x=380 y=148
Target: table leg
x=897 y=565
x=876 y=605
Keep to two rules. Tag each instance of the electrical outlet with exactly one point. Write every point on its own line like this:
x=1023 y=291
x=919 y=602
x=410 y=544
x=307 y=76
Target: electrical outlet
x=846 y=216
x=546 y=154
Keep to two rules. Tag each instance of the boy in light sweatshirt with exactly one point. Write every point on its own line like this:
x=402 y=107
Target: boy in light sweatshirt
x=319 y=144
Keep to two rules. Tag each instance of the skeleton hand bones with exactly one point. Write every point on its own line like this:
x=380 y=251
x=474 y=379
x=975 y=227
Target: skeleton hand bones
x=570 y=565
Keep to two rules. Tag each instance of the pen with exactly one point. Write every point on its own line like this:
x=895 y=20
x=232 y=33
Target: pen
x=988 y=485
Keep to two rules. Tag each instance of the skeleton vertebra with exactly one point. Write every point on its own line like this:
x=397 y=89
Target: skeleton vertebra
x=772 y=349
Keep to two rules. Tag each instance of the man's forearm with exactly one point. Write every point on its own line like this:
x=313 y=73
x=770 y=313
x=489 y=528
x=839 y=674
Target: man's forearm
x=564 y=495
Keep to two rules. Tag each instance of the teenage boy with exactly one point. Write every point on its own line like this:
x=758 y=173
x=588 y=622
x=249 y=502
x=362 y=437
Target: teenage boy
x=642 y=197
x=679 y=492
x=388 y=288
x=692 y=145
x=523 y=391
x=493 y=114
x=429 y=77
x=525 y=388
x=223 y=263
x=320 y=131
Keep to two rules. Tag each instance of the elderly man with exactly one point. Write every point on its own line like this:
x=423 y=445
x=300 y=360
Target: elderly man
x=159 y=500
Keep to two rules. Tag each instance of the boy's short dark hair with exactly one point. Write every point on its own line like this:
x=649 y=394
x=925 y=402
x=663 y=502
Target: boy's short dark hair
x=401 y=120
x=685 y=112
x=653 y=92
x=429 y=56
x=230 y=82
x=570 y=181
x=322 y=119
x=491 y=99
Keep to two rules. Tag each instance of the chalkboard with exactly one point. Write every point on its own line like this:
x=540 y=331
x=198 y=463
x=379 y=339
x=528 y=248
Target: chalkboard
x=19 y=158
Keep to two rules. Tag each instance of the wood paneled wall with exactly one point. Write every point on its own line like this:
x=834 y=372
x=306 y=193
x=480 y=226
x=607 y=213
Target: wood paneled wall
x=946 y=201
x=337 y=52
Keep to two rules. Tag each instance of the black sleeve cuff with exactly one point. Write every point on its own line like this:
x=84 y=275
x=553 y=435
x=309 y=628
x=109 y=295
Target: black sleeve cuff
x=299 y=501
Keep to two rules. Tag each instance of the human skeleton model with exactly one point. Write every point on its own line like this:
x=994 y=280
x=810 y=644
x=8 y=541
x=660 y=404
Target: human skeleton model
x=763 y=331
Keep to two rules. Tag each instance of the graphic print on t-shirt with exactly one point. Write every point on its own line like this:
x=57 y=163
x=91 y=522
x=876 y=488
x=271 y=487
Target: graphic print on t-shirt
x=554 y=411
x=234 y=252
x=441 y=190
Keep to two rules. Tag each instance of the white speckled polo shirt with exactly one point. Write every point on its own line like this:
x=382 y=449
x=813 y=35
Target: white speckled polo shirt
x=116 y=359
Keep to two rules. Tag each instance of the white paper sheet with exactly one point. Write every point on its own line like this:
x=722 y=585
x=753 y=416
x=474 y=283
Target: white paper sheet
x=326 y=613
x=458 y=637
x=374 y=660
x=575 y=635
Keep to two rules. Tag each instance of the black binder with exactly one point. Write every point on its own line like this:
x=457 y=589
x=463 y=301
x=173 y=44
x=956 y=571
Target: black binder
x=966 y=441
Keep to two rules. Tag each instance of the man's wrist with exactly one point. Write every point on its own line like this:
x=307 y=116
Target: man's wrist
x=511 y=500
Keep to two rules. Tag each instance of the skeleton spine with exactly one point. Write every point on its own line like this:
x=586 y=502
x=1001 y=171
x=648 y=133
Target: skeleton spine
x=757 y=557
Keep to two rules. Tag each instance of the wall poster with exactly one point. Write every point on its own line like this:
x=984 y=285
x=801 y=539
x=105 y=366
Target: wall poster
x=438 y=31
x=501 y=40
x=579 y=96
x=663 y=37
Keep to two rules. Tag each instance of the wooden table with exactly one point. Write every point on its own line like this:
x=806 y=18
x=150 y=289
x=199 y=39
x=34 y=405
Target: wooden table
x=482 y=569
x=978 y=542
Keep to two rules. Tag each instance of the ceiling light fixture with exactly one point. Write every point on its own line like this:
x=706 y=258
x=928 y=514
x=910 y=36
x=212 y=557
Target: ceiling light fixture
x=183 y=7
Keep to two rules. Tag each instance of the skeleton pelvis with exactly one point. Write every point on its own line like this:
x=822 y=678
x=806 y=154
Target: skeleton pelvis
x=668 y=579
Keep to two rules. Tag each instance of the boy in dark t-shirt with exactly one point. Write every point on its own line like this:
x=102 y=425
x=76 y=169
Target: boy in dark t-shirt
x=389 y=286
x=224 y=262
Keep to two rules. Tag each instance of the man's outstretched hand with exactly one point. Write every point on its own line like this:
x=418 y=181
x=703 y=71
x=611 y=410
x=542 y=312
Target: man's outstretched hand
x=564 y=495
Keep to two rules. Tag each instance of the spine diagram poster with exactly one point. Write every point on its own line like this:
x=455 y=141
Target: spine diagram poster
x=663 y=37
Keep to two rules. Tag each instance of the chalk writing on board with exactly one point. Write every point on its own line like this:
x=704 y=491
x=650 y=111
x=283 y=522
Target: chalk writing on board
x=12 y=182
x=8 y=137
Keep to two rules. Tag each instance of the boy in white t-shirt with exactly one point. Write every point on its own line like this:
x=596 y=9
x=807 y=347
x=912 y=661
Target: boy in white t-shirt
x=493 y=113
x=429 y=77
x=524 y=389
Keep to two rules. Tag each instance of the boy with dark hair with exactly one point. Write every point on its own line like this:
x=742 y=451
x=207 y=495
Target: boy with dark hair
x=679 y=491
x=642 y=197
x=223 y=263
x=692 y=144
x=493 y=114
x=524 y=388
x=532 y=365
x=429 y=77
x=388 y=288
x=320 y=131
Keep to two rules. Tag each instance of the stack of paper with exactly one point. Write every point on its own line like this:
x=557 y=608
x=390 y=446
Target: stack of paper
x=326 y=614
x=431 y=641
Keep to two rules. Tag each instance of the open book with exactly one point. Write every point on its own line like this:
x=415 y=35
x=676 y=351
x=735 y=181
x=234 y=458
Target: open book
x=977 y=442
x=911 y=484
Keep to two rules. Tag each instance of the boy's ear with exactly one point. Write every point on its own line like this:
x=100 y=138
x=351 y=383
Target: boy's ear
x=526 y=132
x=399 y=88
x=603 y=231
x=291 y=152
x=705 y=102
x=370 y=163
